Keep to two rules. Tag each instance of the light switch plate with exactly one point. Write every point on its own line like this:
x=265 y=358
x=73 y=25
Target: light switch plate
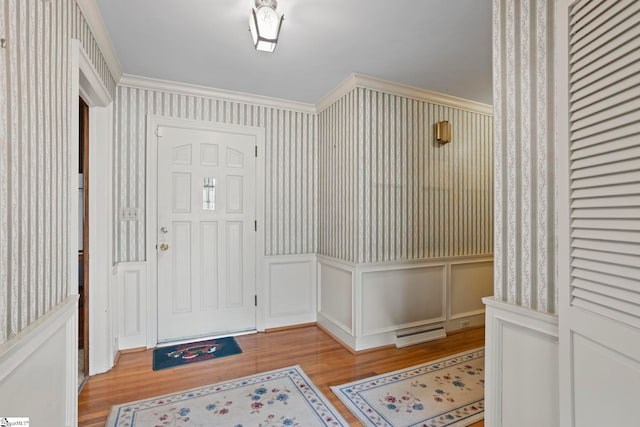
x=129 y=214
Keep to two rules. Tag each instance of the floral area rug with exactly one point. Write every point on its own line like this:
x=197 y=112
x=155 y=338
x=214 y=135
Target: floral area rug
x=447 y=392
x=284 y=397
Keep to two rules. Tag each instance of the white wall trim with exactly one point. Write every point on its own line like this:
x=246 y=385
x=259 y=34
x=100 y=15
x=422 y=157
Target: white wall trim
x=91 y=12
x=15 y=351
x=530 y=322
x=153 y=121
x=208 y=92
x=367 y=82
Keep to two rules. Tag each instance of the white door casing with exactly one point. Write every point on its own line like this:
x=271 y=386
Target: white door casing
x=206 y=281
x=598 y=204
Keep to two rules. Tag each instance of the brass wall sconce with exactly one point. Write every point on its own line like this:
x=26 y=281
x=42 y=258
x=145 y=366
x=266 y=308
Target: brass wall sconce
x=443 y=132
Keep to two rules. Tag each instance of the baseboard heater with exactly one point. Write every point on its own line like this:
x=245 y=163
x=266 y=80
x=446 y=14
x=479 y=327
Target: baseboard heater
x=412 y=336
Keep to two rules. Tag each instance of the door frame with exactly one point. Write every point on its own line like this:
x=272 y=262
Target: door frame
x=87 y=83
x=153 y=121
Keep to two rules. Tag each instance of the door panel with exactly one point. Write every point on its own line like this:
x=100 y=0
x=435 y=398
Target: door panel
x=599 y=207
x=206 y=236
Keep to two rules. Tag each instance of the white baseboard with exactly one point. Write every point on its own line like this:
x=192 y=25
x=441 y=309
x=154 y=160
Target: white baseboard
x=521 y=361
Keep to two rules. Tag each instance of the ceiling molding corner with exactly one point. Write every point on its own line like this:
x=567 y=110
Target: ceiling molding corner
x=406 y=91
x=91 y=13
x=346 y=86
x=208 y=92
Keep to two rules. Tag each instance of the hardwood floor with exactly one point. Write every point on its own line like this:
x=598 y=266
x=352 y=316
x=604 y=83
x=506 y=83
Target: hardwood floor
x=322 y=358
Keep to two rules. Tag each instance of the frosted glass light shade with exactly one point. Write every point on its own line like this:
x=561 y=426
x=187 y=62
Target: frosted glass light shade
x=265 y=24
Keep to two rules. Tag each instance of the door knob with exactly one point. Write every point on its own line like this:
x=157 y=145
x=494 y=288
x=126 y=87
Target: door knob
x=164 y=246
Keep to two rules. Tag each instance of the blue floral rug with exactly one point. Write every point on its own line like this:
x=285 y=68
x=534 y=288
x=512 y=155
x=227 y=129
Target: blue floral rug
x=284 y=397
x=447 y=392
x=184 y=354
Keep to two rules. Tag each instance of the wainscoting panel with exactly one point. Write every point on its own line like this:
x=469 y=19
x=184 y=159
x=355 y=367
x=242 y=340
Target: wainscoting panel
x=131 y=304
x=401 y=298
x=290 y=290
x=336 y=282
x=470 y=282
x=39 y=369
x=516 y=394
x=380 y=299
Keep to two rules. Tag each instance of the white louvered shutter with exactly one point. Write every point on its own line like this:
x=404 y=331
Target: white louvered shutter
x=605 y=158
x=599 y=256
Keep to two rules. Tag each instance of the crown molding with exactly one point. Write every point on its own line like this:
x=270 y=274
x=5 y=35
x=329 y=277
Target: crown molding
x=91 y=12
x=373 y=83
x=204 y=91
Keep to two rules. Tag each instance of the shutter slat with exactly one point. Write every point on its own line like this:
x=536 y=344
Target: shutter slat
x=602 y=127
x=611 y=135
x=602 y=59
x=608 y=201
x=607 y=224
x=605 y=115
x=586 y=16
x=615 y=93
x=595 y=297
x=607 y=311
x=618 y=259
x=601 y=110
x=607 y=280
x=602 y=80
x=584 y=160
x=607 y=246
x=603 y=289
x=618 y=24
x=612 y=212
x=616 y=270
x=612 y=190
x=594 y=171
x=607 y=235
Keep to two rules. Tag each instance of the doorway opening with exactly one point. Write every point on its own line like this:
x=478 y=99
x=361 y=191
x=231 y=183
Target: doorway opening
x=83 y=243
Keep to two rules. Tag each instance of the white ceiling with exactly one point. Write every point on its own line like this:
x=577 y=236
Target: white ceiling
x=439 y=45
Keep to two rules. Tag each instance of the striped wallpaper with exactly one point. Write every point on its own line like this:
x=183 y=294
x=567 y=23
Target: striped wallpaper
x=524 y=136
x=35 y=107
x=388 y=191
x=291 y=171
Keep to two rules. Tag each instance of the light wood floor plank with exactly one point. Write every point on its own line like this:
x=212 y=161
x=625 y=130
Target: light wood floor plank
x=322 y=358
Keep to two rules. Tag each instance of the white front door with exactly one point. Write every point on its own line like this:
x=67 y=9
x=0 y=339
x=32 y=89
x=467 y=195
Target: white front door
x=206 y=237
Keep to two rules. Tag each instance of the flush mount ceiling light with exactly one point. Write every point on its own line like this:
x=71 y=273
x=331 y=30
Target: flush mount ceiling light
x=265 y=23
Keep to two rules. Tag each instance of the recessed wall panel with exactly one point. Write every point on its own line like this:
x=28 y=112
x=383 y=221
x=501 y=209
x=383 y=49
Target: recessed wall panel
x=396 y=299
x=470 y=282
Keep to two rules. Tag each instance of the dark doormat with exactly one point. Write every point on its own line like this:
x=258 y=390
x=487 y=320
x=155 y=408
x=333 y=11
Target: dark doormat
x=184 y=354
